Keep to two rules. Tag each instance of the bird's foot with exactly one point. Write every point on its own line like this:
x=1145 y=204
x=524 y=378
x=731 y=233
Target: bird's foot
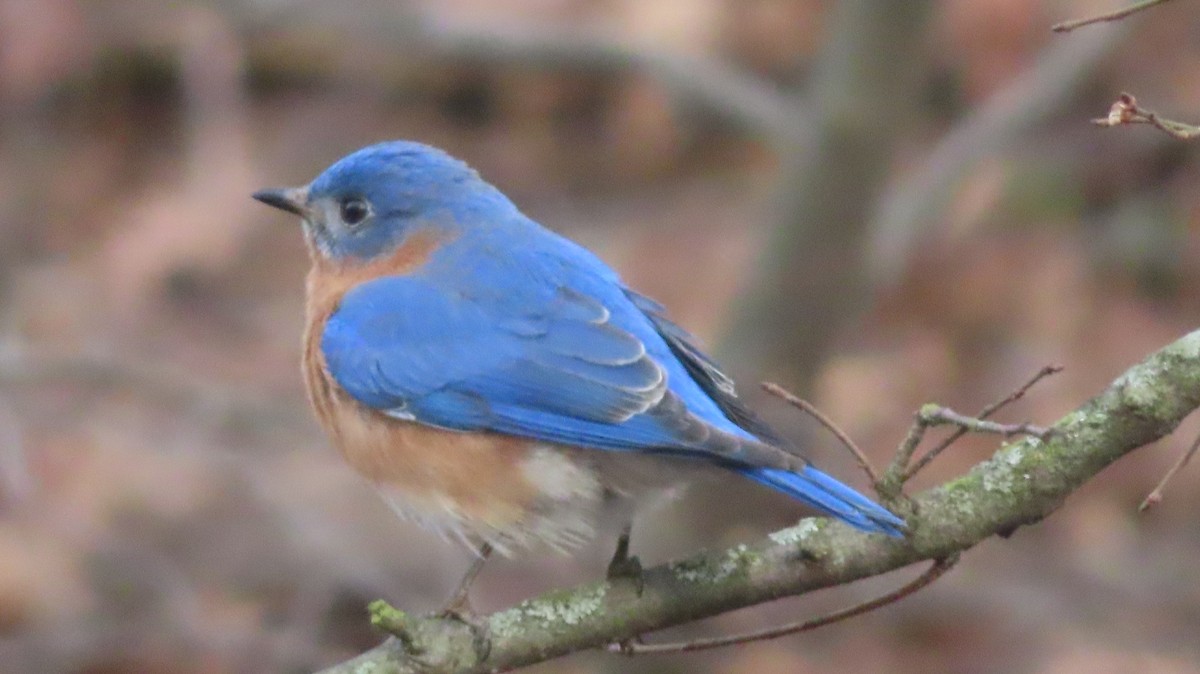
x=627 y=569
x=624 y=567
x=459 y=610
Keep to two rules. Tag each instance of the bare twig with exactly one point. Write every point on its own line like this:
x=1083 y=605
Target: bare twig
x=1068 y=26
x=938 y=416
x=986 y=412
x=1155 y=497
x=935 y=571
x=896 y=473
x=1126 y=111
x=1020 y=391
x=807 y=407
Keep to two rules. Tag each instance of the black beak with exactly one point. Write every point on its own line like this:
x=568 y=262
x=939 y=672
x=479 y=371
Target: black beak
x=290 y=199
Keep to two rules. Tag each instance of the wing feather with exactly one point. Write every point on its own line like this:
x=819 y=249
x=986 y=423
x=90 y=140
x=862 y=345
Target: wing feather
x=704 y=371
x=561 y=371
x=395 y=340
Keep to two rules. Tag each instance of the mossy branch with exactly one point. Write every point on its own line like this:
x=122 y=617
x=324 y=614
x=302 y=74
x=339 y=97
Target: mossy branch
x=1023 y=482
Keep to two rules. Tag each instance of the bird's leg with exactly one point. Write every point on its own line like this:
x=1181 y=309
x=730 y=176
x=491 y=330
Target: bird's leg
x=458 y=607
x=624 y=566
x=459 y=604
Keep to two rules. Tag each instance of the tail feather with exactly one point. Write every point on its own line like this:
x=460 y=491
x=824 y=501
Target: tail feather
x=822 y=492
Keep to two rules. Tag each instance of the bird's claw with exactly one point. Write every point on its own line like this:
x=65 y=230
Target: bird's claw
x=460 y=610
x=627 y=570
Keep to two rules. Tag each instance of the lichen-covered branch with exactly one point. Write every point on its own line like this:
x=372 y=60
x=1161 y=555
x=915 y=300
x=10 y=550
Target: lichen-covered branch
x=1022 y=483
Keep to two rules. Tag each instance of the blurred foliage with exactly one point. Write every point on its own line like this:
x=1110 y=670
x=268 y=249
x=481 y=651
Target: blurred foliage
x=166 y=505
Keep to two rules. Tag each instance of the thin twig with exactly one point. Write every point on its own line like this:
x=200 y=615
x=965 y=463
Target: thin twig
x=986 y=412
x=807 y=407
x=1155 y=497
x=1126 y=111
x=937 y=570
x=1021 y=391
x=938 y=416
x=1068 y=26
x=896 y=475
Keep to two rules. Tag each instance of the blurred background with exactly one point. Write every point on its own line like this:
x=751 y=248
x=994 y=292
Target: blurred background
x=876 y=204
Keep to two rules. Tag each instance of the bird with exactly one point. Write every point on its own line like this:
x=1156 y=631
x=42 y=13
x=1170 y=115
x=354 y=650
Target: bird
x=498 y=382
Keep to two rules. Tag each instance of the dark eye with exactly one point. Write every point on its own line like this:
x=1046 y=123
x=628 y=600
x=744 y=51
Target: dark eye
x=354 y=211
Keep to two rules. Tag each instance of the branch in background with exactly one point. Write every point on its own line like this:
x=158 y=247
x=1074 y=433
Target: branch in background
x=21 y=366
x=748 y=101
x=1022 y=483
x=809 y=281
x=1068 y=26
x=16 y=480
x=739 y=97
x=913 y=207
x=1126 y=111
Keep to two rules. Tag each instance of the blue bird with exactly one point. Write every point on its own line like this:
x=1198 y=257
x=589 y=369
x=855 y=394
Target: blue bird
x=499 y=382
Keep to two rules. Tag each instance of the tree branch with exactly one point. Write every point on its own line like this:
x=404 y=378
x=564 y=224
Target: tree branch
x=913 y=206
x=740 y=97
x=809 y=282
x=737 y=96
x=1022 y=483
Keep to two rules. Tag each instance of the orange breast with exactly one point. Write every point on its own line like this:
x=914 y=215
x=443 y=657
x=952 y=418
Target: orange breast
x=478 y=475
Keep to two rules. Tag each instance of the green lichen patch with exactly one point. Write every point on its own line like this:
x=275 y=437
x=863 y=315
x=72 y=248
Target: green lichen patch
x=567 y=608
x=793 y=536
x=386 y=617
x=737 y=561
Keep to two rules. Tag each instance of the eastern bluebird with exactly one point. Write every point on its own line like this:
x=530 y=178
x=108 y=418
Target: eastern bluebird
x=499 y=382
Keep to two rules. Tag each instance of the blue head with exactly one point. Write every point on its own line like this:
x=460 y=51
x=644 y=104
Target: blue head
x=368 y=202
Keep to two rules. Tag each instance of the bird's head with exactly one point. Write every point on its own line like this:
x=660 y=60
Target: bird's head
x=368 y=202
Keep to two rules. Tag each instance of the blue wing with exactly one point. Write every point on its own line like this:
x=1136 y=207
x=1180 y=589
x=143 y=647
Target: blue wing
x=404 y=345
x=552 y=347
x=547 y=364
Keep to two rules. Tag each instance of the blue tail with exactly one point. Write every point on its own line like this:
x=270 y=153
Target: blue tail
x=819 y=490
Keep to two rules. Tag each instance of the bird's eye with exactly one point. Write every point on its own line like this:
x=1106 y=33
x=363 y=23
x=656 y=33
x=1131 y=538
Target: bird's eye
x=354 y=211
